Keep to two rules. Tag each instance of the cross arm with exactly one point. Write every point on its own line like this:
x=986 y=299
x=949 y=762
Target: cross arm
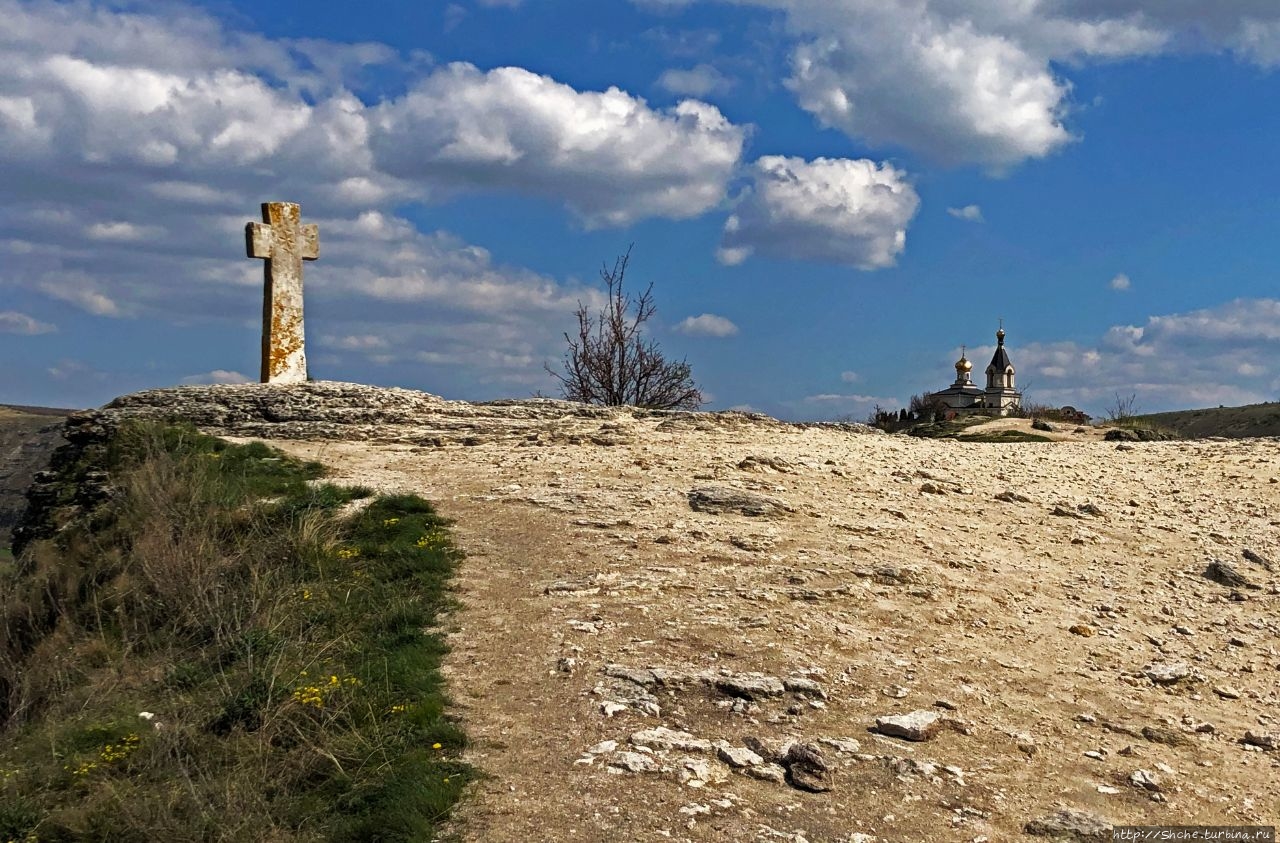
x=309 y=242
x=257 y=240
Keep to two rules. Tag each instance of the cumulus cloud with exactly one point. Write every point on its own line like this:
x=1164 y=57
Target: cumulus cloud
x=969 y=213
x=13 y=322
x=697 y=81
x=707 y=325
x=1218 y=355
x=987 y=83
x=850 y=377
x=608 y=155
x=136 y=144
x=1120 y=282
x=852 y=212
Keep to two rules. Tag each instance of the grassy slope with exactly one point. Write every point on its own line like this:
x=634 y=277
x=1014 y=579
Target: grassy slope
x=1231 y=422
x=218 y=653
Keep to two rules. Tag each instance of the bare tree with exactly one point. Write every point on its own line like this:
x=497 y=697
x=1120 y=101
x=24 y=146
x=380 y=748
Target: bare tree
x=611 y=362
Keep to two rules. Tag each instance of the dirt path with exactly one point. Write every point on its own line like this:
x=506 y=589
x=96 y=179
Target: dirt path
x=896 y=582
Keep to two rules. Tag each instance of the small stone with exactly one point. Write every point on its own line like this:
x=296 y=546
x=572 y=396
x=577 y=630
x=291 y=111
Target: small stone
x=948 y=705
x=567 y=665
x=931 y=489
x=1166 y=736
x=918 y=725
x=1095 y=755
x=1267 y=741
x=1108 y=789
x=608 y=709
x=1081 y=629
x=1184 y=630
x=1145 y=781
x=602 y=747
x=775 y=773
x=1226 y=692
x=738 y=757
x=896 y=692
x=1011 y=496
x=1167 y=673
x=1068 y=824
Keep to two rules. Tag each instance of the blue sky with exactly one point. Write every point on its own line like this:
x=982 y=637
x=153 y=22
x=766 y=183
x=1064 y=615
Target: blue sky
x=830 y=197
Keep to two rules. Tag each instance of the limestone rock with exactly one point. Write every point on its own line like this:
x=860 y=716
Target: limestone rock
x=1145 y=781
x=738 y=757
x=634 y=762
x=661 y=737
x=918 y=725
x=1258 y=559
x=1223 y=574
x=718 y=500
x=1167 y=673
x=769 y=772
x=1071 y=826
x=751 y=686
x=1265 y=740
x=807 y=768
x=804 y=685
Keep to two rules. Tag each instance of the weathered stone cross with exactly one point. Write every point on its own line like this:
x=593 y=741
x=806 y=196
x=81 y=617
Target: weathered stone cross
x=285 y=243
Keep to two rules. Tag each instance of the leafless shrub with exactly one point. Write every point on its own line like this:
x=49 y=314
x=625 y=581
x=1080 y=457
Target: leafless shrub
x=611 y=362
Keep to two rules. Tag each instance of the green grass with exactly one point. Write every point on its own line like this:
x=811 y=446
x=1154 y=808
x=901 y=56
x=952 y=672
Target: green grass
x=285 y=650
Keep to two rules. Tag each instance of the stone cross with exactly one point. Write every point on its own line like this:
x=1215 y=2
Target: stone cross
x=285 y=243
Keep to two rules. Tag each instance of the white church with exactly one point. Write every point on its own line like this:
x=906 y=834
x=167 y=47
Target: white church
x=964 y=396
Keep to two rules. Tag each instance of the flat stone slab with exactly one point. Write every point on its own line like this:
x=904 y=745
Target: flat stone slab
x=917 y=725
x=1068 y=824
x=661 y=737
x=718 y=500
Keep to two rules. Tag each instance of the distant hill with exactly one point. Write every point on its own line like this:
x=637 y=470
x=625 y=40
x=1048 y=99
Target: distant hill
x=28 y=436
x=1230 y=422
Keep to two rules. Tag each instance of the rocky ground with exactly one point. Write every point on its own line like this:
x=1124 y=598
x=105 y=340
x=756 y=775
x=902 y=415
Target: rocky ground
x=722 y=627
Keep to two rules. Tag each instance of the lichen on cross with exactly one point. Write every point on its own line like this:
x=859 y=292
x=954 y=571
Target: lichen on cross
x=284 y=242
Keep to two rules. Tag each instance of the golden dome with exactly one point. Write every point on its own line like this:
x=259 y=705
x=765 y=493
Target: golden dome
x=963 y=365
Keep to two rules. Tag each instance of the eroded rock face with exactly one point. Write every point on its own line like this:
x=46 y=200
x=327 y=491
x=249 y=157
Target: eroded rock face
x=348 y=411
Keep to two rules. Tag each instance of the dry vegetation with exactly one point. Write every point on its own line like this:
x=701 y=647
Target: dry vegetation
x=218 y=652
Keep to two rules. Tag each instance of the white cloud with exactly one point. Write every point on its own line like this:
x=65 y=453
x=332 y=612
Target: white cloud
x=969 y=213
x=985 y=82
x=697 y=81
x=1120 y=283
x=707 y=325
x=834 y=210
x=135 y=146
x=1218 y=355
x=13 y=322
x=850 y=377
x=217 y=376
x=607 y=155
x=82 y=291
